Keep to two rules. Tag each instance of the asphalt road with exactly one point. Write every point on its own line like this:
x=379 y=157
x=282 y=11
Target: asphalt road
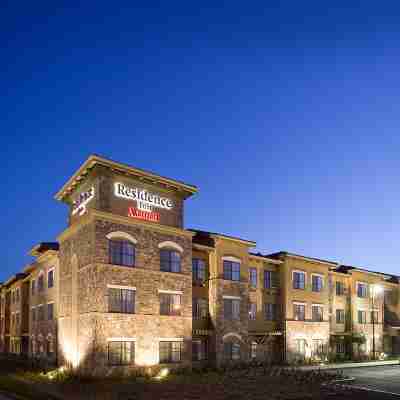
x=385 y=378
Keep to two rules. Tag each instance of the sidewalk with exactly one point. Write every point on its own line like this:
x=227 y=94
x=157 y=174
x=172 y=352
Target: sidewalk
x=350 y=365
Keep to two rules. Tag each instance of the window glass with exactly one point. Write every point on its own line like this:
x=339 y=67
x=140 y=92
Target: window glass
x=299 y=280
x=232 y=309
x=170 y=304
x=50 y=279
x=253 y=277
x=317 y=283
x=198 y=269
x=252 y=311
x=362 y=290
x=121 y=353
x=170 y=352
x=170 y=260
x=362 y=317
x=231 y=270
x=270 y=311
x=122 y=252
x=340 y=316
x=50 y=311
x=299 y=312
x=339 y=288
x=199 y=350
x=317 y=313
x=121 y=300
x=200 y=308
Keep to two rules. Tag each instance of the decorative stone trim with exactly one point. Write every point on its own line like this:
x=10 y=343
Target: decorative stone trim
x=121 y=235
x=170 y=291
x=232 y=297
x=232 y=259
x=121 y=287
x=170 y=244
x=170 y=339
x=121 y=339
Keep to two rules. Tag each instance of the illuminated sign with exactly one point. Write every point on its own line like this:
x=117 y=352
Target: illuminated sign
x=145 y=201
x=146 y=215
x=79 y=205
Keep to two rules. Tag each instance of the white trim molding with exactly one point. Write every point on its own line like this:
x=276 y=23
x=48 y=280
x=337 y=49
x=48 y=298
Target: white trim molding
x=317 y=274
x=171 y=245
x=121 y=339
x=121 y=235
x=299 y=271
x=232 y=259
x=168 y=339
x=121 y=287
x=232 y=297
x=170 y=291
x=317 y=305
x=300 y=303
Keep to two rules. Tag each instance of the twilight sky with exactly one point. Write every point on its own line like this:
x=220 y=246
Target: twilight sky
x=285 y=114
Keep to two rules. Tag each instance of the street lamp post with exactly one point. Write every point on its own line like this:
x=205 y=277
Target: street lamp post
x=375 y=290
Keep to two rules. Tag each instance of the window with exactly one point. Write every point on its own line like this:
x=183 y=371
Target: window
x=340 y=317
x=339 y=288
x=50 y=279
x=121 y=300
x=388 y=297
x=50 y=311
x=198 y=269
x=121 y=353
x=299 y=312
x=170 y=352
x=40 y=312
x=374 y=317
x=199 y=350
x=362 y=289
x=270 y=310
x=252 y=311
x=17 y=320
x=271 y=279
x=170 y=304
x=122 y=252
x=170 y=260
x=317 y=313
x=33 y=287
x=200 y=308
x=231 y=270
x=317 y=282
x=33 y=314
x=253 y=350
x=17 y=295
x=232 y=351
x=362 y=317
x=41 y=283
x=253 y=277
x=299 y=280
x=317 y=347
x=340 y=347
x=50 y=346
x=232 y=309
x=301 y=345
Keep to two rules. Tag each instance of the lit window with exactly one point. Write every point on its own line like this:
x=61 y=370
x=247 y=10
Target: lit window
x=170 y=260
x=170 y=352
x=122 y=252
x=121 y=300
x=252 y=311
x=121 y=353
x=299 y=312
x=231 y=270
x=170 y=304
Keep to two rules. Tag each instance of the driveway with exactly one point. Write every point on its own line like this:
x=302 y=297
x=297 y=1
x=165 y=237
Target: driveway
x=384 y=378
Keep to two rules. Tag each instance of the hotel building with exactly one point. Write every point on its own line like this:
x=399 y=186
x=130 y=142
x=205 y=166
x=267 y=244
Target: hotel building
x=126 y=285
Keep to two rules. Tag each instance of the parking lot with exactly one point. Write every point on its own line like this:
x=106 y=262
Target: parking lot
x=384 y=378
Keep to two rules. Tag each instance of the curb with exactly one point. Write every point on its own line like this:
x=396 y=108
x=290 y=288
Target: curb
x=350 y=365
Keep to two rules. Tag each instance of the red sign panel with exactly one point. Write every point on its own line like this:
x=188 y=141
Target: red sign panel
x=146 y=215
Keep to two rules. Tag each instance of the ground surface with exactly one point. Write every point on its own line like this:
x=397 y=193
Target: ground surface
x=385 y=378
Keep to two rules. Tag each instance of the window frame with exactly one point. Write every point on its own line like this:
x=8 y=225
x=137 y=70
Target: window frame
x=298 y=305
x=198 y=264
x=317 y=283
x=120 y=250
x=317 y=317
x=167 y=264
x=123 y=351
x=123 y=290
x=172 y=309
x=253 y=275
x=231 y=313
x=231 y=270
x=52 y=281
x=170 y=351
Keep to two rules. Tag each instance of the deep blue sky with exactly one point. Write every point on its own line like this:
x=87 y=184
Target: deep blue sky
x=285 y=114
